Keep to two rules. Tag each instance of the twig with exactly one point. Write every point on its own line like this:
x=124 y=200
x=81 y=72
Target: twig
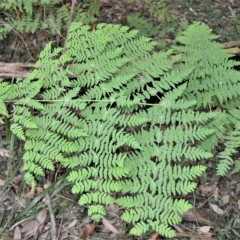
x=53 y=222
x=24 y=33
x=19 y=35
x=70 y=21
x=59 y=230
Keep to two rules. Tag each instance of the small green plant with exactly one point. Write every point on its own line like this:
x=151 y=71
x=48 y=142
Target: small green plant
x=230 y=232
x=50 y=19
x=162 y=24
x=234 y=20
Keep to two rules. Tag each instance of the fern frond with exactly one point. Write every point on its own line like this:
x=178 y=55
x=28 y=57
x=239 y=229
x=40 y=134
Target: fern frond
x=101 y=125
x=97 y=212
x=213 y=80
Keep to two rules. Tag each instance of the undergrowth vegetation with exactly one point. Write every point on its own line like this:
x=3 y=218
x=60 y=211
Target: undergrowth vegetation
x=90 y=108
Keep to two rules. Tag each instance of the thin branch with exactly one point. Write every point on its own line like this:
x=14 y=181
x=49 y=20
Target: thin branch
x=70 y=21
x=53 y=222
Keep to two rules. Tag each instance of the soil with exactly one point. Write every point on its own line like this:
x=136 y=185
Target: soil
x=216 y=201
x=217 y=14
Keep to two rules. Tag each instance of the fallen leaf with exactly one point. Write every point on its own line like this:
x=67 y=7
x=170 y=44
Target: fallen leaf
x=17 y=234
x=29 y=195
x=193 y=11
x=2 y=182
x=215 y=193
x=225 y=199
x=216 y=209
x=41 y=218
x=4 y=152
x=21 y=201
x=194 y=215
x=204 y=190
x=87 y=230
x=43 y=236
x=154 y=236
x=30 y=228
x=113 y=213
x=46 y=185
x=38 y=190
x=204 y=229
x=178 y=228
x=234 y=50
x=72 y=224
x=109 y=226
x=238 y=204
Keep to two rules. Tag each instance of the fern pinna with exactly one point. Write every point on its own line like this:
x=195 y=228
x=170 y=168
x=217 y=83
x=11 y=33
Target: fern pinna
x=90 y=109
x=214 y=84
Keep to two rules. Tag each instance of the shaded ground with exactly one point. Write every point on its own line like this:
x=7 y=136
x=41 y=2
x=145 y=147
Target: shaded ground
x=217 y=14
x=216 y=201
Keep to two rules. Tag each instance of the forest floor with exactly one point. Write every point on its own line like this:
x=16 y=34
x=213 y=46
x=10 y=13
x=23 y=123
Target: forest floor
x=216 y=201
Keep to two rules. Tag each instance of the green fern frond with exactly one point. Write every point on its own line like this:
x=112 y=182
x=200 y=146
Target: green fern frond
x=213 y=80
x=18 y=131
x=97 y=212
x=102 y=198
x=29 y=178
x=236 y=166
x=34 y=168
x=91 y=111
x=163 y=229
x=4 y=90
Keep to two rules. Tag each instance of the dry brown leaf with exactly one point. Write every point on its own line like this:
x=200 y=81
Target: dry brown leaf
x=154 y=236
x=21 y=201
x=113 y=213
x=214 y=180
x=30 y=227
x=43 y=236
x=41 y=216
x=204 y=190
x=232 y=2
x=225 y=199
x=238 y=204
x=193 y=11
x=204 y=229
x=109 y=226
x=17 y=178
x=194 y=215
x=216 y=209
x=87 y=230
x=2 y=182
x=215 y=194
x=46 y=185
x=234 y=50
x=38 y=190
x=17 y=234
x=178 y=228
x=29 y=195
x=4 y=152
x=72 y=224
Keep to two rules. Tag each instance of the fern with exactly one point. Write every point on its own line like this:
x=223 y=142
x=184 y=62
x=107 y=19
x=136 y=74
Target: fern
x=4 y=89
x=104 y=128
x=145 y=28
x=213 y=83
x=21 y=16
